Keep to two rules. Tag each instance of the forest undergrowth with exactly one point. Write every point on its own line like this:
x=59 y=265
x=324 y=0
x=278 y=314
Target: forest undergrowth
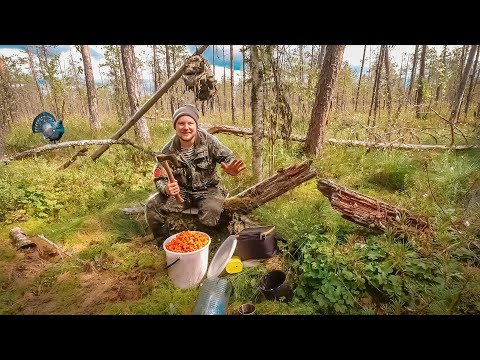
x=333 y=265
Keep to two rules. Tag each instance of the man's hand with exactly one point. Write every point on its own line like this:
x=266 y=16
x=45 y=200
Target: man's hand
x=172 y=188
x=233 y=167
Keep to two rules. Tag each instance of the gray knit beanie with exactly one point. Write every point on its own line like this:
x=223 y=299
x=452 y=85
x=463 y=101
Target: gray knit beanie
x=187 y=109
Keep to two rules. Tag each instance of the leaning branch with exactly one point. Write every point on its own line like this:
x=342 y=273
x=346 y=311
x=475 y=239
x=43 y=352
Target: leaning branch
x=150 y=102
x=239 y=131
x=67 y=144
x=59 y=249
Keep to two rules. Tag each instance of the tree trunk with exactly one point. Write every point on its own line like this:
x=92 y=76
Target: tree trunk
x=224 y=81
x=142 y=133
x=461 y=88
x=167 y=59
x=232 y=84
x=421 y=75
x=95 y=123
x=7 y=112
x=156 y=78
x=389 y=85
x=444 y=63
x=257 y=113
x=321 y=57
x=35 y=77
x=77 y=84
x=402 y=94
x=471 y=87
x=244 y=81
x=412 y=75
x=376 y=88
x=324 y=94
x=2 y=136
x=121 y=86
x=213 y=61
x=369 y=212
x=360 y=78
x=462 y=60
x=281 y=107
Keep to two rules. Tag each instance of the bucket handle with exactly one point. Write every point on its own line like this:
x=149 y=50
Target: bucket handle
x=167 y=266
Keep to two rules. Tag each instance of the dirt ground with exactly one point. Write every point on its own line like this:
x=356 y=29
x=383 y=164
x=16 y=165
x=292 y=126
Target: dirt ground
x=97 y=287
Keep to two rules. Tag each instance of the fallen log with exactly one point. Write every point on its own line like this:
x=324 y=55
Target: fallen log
x=284 y=180
x=236 y=207
x=240 y=131
x=63 y=145
x=370 y=212
x=19 y=239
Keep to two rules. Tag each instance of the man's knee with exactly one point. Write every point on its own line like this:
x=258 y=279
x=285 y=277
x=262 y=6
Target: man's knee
x=210 y=216
x=153 y=209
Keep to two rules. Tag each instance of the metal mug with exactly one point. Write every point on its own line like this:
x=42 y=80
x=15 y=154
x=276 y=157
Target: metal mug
x=247 y=309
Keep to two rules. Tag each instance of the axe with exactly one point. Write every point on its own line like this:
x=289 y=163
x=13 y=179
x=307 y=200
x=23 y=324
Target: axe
x=162 y=158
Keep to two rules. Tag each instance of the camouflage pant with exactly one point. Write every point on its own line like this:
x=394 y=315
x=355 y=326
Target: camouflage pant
x=209 y=203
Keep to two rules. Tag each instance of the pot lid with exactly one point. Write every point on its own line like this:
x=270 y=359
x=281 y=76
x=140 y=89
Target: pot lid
x=222 y=256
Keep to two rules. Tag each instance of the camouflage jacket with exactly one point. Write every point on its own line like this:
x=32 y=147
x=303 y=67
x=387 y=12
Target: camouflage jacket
x=200 y=173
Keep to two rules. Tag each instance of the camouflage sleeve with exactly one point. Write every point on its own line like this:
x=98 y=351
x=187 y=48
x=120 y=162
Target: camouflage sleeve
x=221 y=153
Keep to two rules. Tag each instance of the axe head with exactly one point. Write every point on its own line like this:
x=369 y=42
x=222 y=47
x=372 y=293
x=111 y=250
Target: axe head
x=171 y=157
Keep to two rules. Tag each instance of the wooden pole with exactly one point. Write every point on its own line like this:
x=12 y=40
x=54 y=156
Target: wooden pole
x=140 y=112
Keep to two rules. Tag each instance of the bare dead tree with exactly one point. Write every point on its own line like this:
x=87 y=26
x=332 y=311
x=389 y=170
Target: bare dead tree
x=376 y=88
x=463 y=83
x=472 y=84
x=421 y=78
x=388 y=84
x=232 y=84
x=244 y=81
x=257 y=111
x=167 y=57
x=412 y=74
x=35 y=77
x=360 y=78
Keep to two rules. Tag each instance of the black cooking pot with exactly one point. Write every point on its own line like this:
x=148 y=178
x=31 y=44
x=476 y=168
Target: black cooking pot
x=274 y=286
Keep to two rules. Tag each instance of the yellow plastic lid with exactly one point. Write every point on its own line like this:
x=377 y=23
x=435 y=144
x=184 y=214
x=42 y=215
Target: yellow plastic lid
x=234 y=265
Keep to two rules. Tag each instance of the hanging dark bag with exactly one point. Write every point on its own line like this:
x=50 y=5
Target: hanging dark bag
x=256 y=243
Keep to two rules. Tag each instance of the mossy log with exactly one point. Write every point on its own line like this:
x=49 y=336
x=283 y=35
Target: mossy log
x=370 y=212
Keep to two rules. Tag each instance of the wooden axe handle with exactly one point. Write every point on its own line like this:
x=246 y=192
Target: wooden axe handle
x=172 y=179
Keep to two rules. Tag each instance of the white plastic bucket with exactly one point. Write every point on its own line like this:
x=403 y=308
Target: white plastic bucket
x=186 y=270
